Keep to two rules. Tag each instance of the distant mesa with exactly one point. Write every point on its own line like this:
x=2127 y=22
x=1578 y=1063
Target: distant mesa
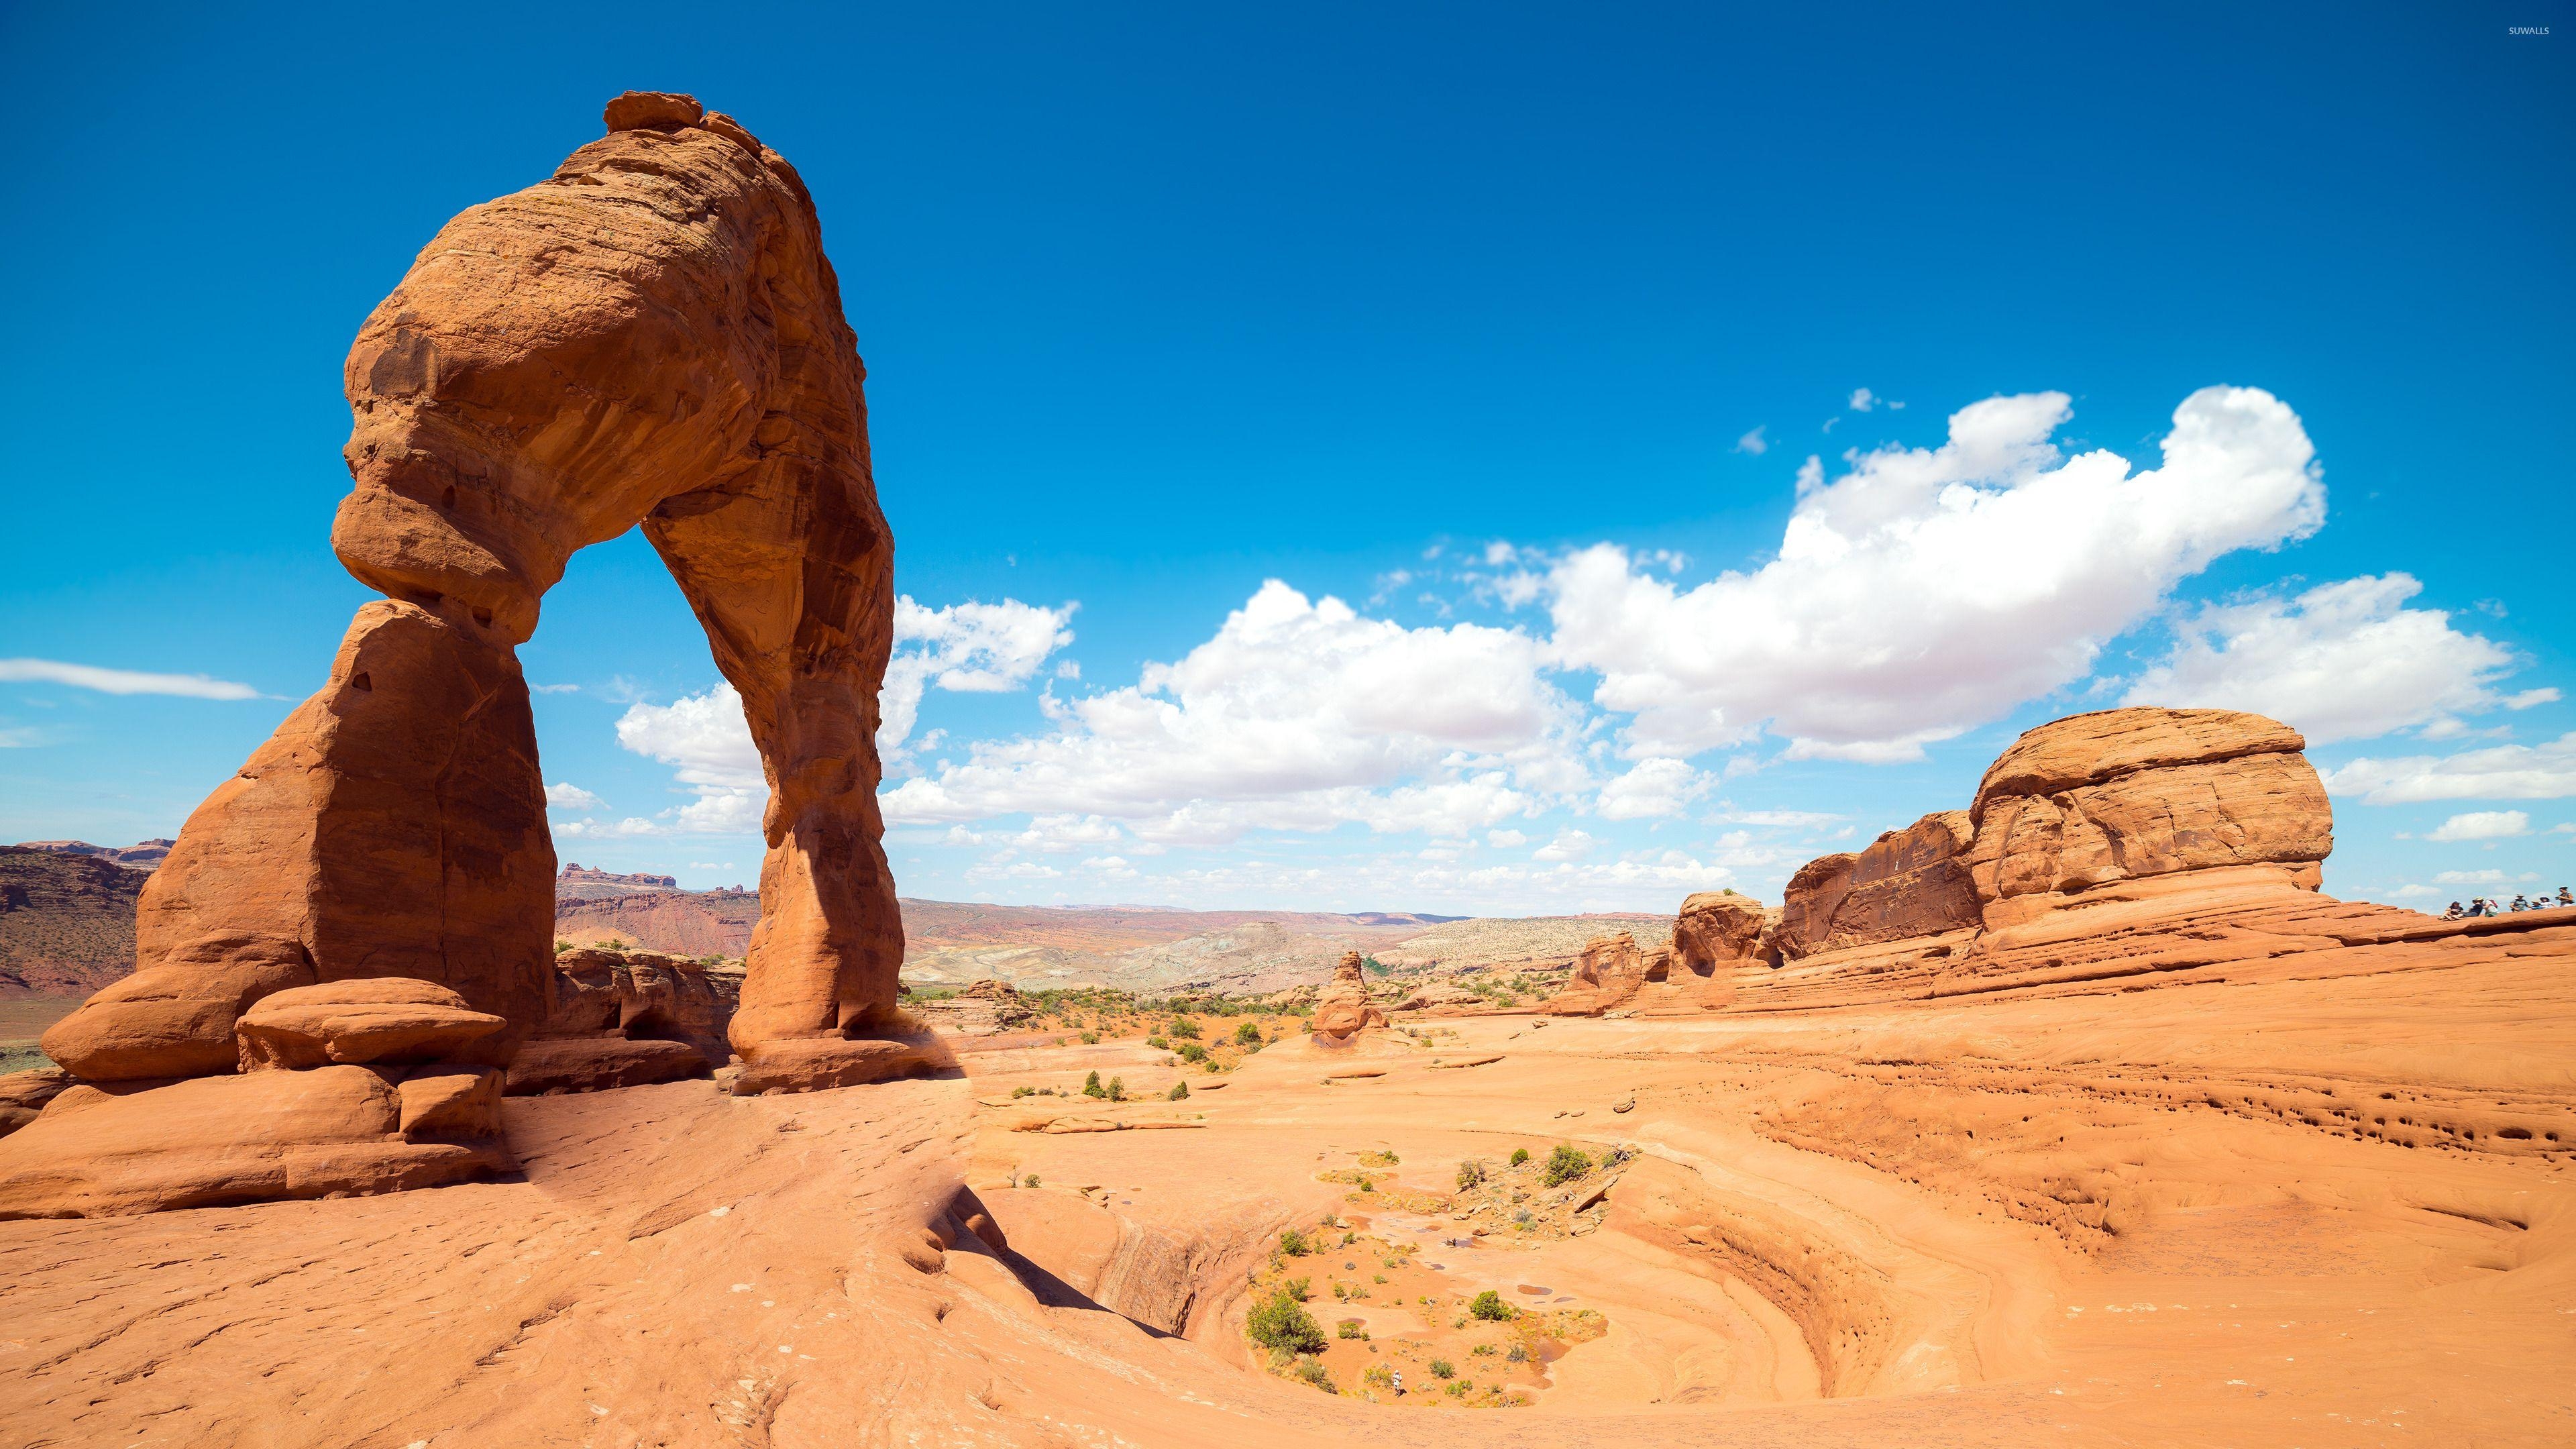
x=582 y=873
x=142 y=855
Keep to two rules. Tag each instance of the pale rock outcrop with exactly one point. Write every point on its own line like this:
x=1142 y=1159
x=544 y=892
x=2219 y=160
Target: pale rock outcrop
x=1344 y=1010
x=985 y=1008
x=652 y=336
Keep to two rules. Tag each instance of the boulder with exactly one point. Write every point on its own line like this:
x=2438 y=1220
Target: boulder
x=177 y=1019
x=1807 y=907
x=1716 y=931
x=1607 y=974
x=450 y=1104
x=1343 y=1009
x=371 y=1019
x=2126 y=794
x=24 y=1095
x=817 y=1065
x=332 y=1131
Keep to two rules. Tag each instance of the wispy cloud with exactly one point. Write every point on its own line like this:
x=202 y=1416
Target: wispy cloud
x=121 y=681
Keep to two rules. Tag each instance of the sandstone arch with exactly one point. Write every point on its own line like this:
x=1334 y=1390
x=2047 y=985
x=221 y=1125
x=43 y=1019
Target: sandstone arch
x=650 y=336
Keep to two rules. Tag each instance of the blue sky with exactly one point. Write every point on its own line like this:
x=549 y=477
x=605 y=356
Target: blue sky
x=1499 y=337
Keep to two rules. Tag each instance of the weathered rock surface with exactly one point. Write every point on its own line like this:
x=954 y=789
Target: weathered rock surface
x=1606 y=974
x=652 y=337
x=1343 y=1010
x=2129 y=793
x=228 y=1139
x=1908 y=883
x=626 y=1018
x=372 y=1019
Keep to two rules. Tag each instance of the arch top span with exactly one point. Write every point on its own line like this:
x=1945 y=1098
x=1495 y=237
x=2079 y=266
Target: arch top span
x=652 y=335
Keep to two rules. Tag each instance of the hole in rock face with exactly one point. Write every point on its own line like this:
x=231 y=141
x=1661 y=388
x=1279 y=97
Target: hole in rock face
x=483 y=617
x=448 y=498
x=361 y=683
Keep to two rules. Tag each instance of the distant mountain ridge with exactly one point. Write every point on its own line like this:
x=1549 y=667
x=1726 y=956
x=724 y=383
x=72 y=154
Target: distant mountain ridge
x=66 y=917
x=1135 y=948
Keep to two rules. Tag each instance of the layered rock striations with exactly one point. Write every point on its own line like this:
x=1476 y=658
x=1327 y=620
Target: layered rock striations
x=652 y=336
x=1713 y=936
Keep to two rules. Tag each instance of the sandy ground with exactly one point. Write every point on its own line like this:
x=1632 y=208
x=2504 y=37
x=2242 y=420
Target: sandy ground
x=2278 y=1211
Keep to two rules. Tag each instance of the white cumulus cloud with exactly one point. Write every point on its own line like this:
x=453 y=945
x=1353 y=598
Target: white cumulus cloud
x=1652 y=788
x=2483 y=825
x=2341 y=661
x=1299 y=714
x=2501 y=772
x=1927 y=591
x=571 y=797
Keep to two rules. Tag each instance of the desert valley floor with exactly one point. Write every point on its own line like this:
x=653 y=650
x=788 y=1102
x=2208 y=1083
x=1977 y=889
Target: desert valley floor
x=2323 y=1199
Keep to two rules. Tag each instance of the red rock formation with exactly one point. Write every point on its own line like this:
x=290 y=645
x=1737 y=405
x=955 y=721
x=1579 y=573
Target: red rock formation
x=651 y=336
x=1908 y=883
x=626 y=1018
x=1344 y=1010
x=2124 y=794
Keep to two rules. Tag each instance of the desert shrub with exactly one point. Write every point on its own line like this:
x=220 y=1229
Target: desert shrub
x=1118 y=1093
x=1184 y=1026
x=1482 y=1350
x=562 y=945
x=1091 y=1086
x=1470 y=1173
x=1158 y=1044
x=1091 y=1038
x=1458 y=1390
x=1180 y=1092
x=1192 y=1052
x=1565 y=1164
x=1029 y=1181
x=1301 y=1289
x=1247 y=1033
x=1519 y=1354
x=1349 y=1328
x=1294 y=1244
x=1019 y=1092
x=1312 y=1371
x=1377 y=1277
x=1279 y=1322
x=1378 y=1376
x=1489 y=1306
x=1519 y=1156
x=1442 y=1368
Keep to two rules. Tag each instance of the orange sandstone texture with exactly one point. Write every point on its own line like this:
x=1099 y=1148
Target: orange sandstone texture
x=650 y=336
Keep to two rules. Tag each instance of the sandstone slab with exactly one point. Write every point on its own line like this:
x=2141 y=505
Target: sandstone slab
x=227 y=1139
x=372 y=1019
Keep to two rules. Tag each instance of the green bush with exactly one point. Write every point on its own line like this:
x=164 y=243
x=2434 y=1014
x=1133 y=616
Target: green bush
x=1158 y=1044
x=1301 y=1289
x=1470 y=1173
x=1118 y=1093
x=1565 y=1164
x=1192 y=1052
x=1442 y=1368
x=1280 y=1322
x=1091 y=1086
x=1294 y=1244
x=1180 y=1092
x=1489 y=1306
x=1349 y=1328
x=1247 y=1033
x=1029 y=1181
x=1184 y=1026
x=1091 y=1038
x=1311 y=1369
x=1519 y=1156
